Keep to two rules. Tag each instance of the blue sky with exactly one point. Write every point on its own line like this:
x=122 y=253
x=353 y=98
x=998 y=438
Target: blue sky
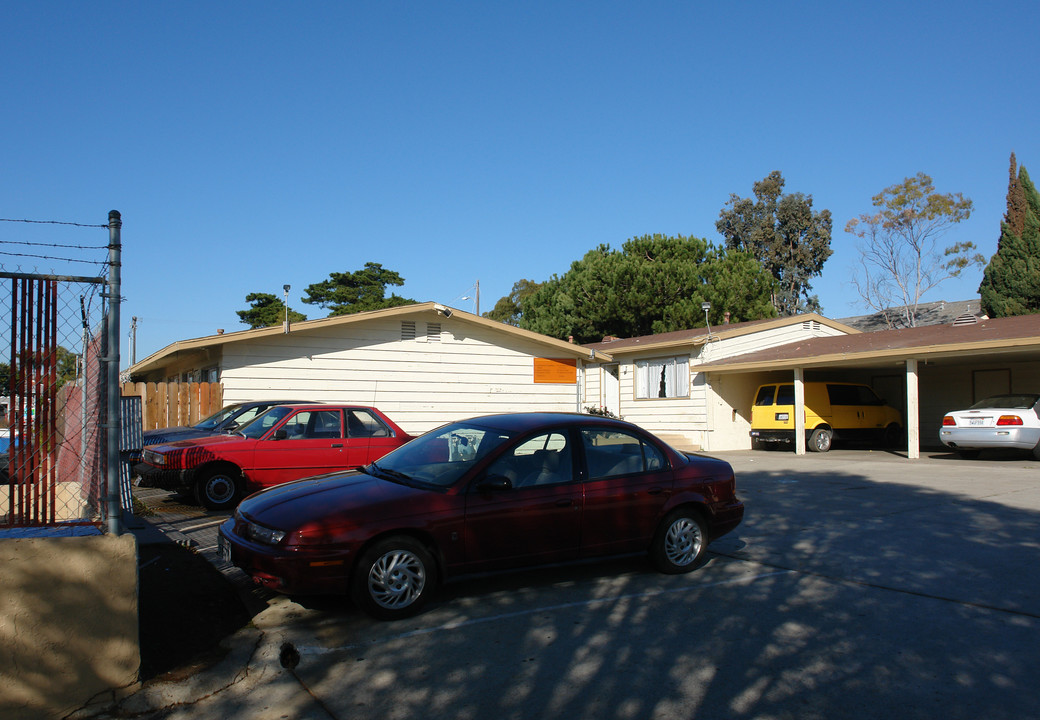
x=253 y=144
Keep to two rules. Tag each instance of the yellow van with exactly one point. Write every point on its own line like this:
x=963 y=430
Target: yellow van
x=832 y=410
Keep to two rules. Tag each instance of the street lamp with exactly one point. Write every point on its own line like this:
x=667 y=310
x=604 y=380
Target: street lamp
x=285 y=325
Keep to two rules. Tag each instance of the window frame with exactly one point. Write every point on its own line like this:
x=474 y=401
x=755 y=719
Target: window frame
x=673 y=371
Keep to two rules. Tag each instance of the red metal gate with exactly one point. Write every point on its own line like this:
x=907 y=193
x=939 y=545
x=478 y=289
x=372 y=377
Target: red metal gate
x=32 y=412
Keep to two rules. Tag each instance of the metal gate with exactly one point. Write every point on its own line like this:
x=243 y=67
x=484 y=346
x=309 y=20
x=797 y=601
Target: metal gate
x=55 y=470
x=57 y=427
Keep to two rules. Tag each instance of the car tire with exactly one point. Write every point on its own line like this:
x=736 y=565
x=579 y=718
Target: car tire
x=680 y=542
x=218 y=489
x=894 y=436
x=394 y=578
x=820 y=440
x=1036 y=451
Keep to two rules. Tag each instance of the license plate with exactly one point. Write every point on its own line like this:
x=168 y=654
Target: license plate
x=976 y=422
x=223 y=549
x=783 y=417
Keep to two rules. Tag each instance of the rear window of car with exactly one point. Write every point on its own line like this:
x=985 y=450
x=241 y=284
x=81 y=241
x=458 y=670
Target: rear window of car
x=765 y=395
x=785 y=395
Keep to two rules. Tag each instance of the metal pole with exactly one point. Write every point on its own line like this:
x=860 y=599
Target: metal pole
x=114 y=423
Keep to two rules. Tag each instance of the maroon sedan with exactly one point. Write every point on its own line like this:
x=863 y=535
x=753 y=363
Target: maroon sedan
x=484 y=494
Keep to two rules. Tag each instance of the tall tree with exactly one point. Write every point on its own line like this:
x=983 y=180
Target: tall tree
x=1011 y=281
x=654 y=284
x=365 y=289
x=784 y=234
x=899 y=256
x=266 y=310
x=510 y=308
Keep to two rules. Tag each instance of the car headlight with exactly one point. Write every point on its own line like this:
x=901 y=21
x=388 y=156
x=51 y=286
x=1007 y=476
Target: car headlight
x=261 y=534
x=150 y=456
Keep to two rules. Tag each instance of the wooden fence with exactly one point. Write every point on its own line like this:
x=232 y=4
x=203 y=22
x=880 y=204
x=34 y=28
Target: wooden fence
x=172 y=404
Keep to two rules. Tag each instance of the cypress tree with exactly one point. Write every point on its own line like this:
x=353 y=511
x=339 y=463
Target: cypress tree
x=1011 y=281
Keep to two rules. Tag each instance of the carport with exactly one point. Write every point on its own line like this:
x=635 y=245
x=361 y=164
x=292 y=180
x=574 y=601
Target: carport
x=944 y=367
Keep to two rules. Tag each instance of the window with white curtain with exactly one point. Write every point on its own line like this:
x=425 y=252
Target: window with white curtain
x=663 y=378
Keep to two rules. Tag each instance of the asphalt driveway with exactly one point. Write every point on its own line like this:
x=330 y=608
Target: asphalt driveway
x=861 y=585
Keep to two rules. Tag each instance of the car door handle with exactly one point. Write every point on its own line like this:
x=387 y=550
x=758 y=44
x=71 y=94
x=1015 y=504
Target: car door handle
x=655 y=491
x=337 y=444
x=564 y=502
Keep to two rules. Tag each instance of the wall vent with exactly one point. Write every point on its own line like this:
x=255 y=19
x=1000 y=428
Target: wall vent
x=965 y=319
x=433 y=332
x=408 y=330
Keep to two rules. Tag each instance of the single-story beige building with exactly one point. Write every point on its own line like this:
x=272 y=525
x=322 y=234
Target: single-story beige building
x=427 y=364
x=423 y=365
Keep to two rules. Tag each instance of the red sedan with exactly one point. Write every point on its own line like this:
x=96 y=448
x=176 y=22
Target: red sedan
x=287 y=442
x=484 y=494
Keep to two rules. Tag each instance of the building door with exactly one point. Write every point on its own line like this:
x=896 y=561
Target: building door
x=986 y=383
x=611 y=389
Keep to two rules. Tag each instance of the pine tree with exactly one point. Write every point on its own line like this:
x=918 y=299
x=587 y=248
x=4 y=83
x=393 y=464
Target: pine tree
x=1011 y=281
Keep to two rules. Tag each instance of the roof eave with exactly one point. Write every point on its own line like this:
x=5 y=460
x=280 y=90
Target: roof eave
x=154 y=361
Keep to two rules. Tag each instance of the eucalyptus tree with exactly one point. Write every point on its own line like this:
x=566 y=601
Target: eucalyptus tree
x=900 y=259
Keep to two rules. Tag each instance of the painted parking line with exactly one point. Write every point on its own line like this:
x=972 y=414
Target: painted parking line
x=311 y=650
x=202 y=526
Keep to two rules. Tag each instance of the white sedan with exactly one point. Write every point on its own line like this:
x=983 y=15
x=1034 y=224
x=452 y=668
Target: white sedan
x=1001 y=421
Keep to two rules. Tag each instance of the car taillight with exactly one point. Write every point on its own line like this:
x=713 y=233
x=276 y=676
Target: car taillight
x=949 y=421
x=1009 y=420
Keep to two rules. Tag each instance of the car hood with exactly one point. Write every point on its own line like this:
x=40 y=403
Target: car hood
x=330 y=499
x=172 y=434
x=205 y=441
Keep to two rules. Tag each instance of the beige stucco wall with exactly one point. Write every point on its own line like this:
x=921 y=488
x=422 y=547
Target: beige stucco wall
x=68 y=623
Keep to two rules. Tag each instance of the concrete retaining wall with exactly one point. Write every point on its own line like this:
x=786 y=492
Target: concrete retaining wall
x=68 y=623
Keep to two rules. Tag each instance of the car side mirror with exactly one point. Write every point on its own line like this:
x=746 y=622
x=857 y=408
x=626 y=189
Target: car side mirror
x=280 y=434
x=495 y=483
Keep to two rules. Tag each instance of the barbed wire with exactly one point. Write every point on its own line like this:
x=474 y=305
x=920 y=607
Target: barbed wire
x=64 y=246
x=52 y=222
x=57 y=245
x=52 y=257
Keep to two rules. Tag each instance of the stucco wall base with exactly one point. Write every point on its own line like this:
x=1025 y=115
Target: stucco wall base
x=68 y=624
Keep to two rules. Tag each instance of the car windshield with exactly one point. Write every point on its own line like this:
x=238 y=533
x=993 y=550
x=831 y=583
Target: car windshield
x=262 y=423
x=218 y=417
x=1019 y=402
x=441 y=456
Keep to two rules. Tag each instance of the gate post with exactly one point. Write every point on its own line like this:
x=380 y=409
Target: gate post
x=114 y=422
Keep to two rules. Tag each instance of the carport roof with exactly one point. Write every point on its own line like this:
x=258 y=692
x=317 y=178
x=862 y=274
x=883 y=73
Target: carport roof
x=700 y=336
x=1004 y=337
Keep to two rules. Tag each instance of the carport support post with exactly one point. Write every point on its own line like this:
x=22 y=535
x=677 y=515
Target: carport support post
x=913 y=412
x=799 y=411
